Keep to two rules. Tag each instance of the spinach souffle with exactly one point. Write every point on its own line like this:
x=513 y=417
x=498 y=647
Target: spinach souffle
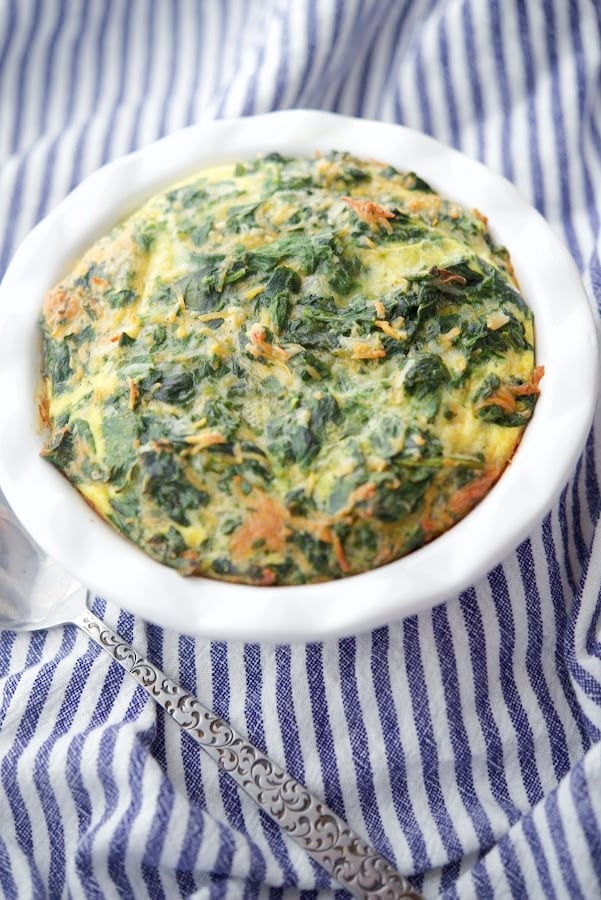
x=288 y=370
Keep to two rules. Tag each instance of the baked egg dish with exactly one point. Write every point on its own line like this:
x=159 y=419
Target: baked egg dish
x=288 y=370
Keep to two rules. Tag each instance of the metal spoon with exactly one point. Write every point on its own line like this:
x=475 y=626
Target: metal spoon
x=35 y=593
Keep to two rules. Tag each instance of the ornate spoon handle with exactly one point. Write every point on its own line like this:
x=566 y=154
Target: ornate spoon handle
x=312 y=824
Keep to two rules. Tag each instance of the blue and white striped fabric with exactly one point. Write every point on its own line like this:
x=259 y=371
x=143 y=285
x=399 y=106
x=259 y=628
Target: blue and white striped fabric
x=465 y=742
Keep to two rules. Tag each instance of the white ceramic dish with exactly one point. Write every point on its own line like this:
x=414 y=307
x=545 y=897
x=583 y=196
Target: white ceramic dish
x=61 y=522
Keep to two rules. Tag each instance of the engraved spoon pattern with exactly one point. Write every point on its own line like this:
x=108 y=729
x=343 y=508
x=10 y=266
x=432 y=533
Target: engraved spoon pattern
x=35 y=593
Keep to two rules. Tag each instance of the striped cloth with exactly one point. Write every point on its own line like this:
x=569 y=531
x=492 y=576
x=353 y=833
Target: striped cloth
x=464 y=742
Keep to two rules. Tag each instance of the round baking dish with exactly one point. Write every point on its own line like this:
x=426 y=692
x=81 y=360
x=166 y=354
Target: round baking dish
x=67 y=529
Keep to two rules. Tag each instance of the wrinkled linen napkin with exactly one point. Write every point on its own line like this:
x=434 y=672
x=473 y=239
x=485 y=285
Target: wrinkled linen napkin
x=464 y=742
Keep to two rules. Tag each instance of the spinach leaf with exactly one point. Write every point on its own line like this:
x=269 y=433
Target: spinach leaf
x=299 y=502
x=177 y=389
x=145 y=236
x=343 y=271
x=276 y=294
x=81 y=430
x=364 y=539
x=59 y=449
x=275 y=157
x=241 y=218
x=421 y=448
x=222 y=416
x=200 y=289
x=279 y=308
x=393 y=500
x=322 y=314
x=297 y=247
x=117 y=299
x=119 y=432
x=280 y=177
x=324 y=409
x=303 y=445
x=126 y=512
x=341 y=491
x=498 y=414
x=189 y=195
x=480 y=343
x=167 y=546
x=413 y=470
x=416 y=307
x=414 y=183
x=424 y=381
x=283 y=279
x=494 y=286
x=223 y=566
x=165 y=482
x=199 y=233
x=461 y=270
x=312 y=337
x=404 y=228
x=85 y=336
x=57 y=359
x=318 y=553
x=352 y=174
x=291 y=442
x=385 y=433
x=125 y=340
